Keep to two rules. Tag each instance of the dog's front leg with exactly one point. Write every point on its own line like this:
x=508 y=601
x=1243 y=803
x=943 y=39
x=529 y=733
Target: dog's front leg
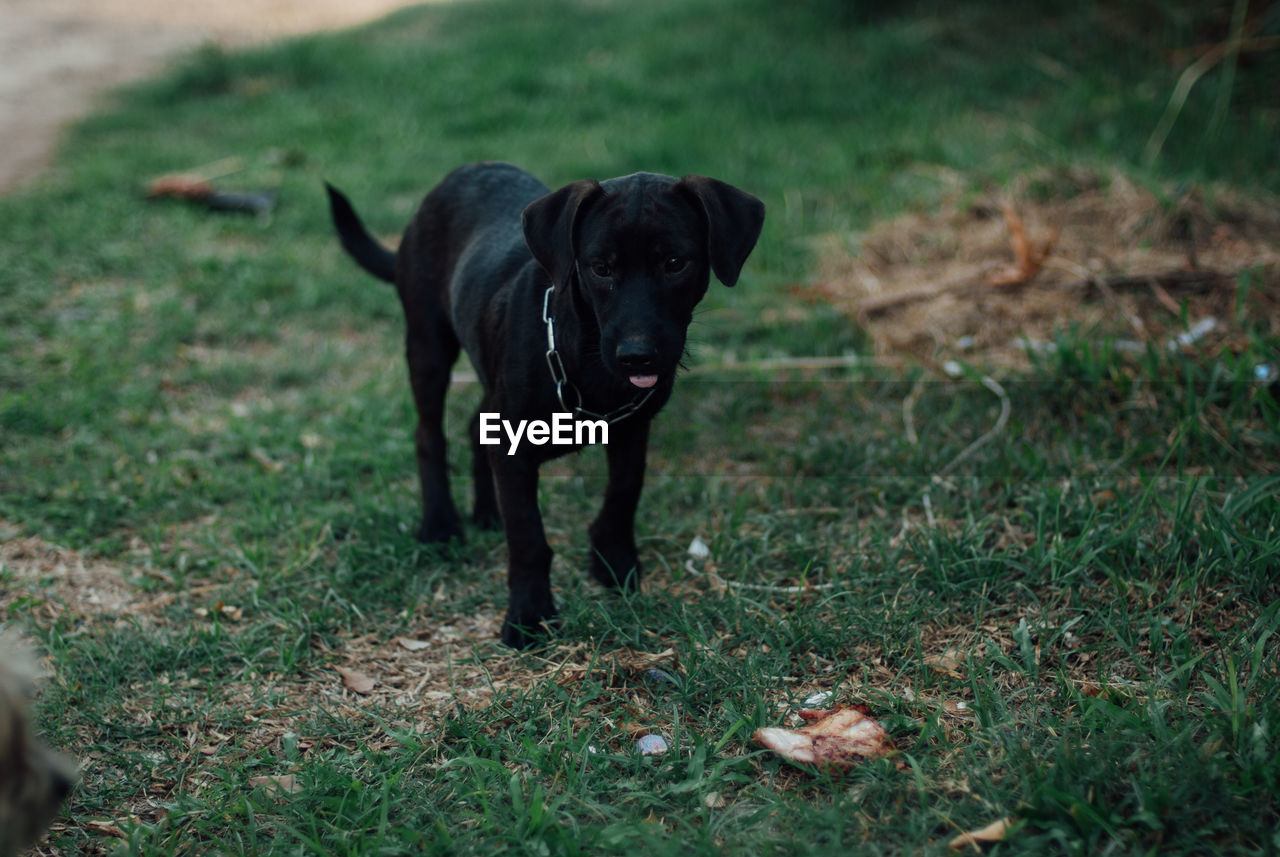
x=613 y=559
x=530 y=607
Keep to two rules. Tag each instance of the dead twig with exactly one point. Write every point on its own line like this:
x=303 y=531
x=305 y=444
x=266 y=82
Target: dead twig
x=1028 y=259
x=1198 y=282
x=884 y=303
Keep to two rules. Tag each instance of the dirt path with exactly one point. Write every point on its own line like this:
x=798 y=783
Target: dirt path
x=58 y=56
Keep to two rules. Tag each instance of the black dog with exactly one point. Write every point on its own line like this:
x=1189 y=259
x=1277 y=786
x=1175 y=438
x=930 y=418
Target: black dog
x=575 y=300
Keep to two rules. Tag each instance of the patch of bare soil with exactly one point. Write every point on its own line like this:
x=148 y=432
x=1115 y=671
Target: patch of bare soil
x=58 y=58
x=993 y=277
x=51 y=581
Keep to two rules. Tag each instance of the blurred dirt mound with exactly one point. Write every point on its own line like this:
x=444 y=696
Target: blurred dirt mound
x=994 y=276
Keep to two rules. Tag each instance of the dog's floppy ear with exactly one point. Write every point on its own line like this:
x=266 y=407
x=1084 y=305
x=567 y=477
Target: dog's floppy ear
x=549 y=223
x=734 y=219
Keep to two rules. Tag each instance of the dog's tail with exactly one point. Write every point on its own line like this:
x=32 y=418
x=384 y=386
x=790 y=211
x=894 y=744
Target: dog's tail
x=356 y=240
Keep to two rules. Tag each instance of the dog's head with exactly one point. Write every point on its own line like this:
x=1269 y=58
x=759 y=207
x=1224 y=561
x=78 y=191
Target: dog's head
x=638 y=253
x=33 y=779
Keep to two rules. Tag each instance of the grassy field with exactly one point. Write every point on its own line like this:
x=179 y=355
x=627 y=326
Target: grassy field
x=207 y=495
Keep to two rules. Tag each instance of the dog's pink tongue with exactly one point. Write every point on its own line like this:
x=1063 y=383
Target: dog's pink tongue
x=644 y=380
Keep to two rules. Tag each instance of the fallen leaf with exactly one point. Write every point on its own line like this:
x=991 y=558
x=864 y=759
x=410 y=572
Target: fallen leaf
x=993 y=832
x=1028 y=258
x=108 y=828
x=947 y=663
x=640 y=661
x=356 y=681
x=227 y=611
x=1102 y=499
x=230 y=611
x=412 y=644
x=834 y=739
x=277 y=784
x=194 y=183
x=265 y=461
x=180 y=185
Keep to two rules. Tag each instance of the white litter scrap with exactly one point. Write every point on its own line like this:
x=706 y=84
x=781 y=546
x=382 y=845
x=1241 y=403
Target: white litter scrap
x=651 y=745
x=1193 y=334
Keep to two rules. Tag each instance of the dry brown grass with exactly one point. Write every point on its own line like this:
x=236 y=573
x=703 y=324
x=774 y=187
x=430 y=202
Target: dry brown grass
x=1121 y=259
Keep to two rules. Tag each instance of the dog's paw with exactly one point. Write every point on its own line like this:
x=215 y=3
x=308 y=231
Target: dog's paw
x=487 y=519
x=440 y=529
x=616 y=569
x=523 y=634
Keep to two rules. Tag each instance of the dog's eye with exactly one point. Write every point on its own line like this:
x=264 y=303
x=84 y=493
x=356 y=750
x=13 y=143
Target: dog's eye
x=601 y=270
x=676 y=264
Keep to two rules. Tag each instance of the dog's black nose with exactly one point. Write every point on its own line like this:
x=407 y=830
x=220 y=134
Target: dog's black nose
x=636 y=353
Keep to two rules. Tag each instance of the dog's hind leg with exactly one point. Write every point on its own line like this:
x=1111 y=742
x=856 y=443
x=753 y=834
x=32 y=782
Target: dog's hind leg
x=485 y=515
x=613 y=560
x=431 y=349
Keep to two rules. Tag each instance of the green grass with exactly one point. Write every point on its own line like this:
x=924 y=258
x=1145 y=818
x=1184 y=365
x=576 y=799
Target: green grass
x=213 y=409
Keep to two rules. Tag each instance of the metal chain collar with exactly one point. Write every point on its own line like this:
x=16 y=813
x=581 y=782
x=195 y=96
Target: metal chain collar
x=562 y=380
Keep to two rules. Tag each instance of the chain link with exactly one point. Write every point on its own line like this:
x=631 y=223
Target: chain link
x=556 y=365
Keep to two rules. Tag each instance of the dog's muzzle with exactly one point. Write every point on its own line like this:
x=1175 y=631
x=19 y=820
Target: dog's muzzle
x=638 y=358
